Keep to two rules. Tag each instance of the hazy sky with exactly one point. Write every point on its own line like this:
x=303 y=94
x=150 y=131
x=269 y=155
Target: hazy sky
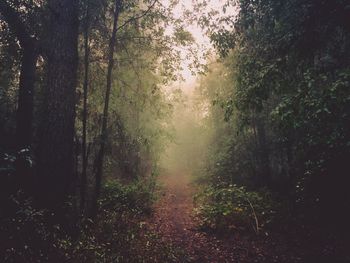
x=198 y=35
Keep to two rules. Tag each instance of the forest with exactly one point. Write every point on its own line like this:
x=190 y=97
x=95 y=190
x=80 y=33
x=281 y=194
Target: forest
x=175 y=131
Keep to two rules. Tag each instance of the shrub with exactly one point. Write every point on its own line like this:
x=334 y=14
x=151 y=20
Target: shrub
x=233 y=207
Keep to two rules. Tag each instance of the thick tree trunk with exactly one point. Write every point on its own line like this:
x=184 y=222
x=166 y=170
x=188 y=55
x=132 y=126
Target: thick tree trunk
x=27 y=74
x=104 y=133
x=56 y=154
x=25 y=96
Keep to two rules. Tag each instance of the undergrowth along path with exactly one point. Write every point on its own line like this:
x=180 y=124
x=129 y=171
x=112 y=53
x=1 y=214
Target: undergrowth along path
x=174 y=223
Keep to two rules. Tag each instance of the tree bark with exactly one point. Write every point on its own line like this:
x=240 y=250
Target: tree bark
x=56 y=151
x=28 y=45
x=25 y=97
x=85 y=110
x=104 y=132
x=264 y=155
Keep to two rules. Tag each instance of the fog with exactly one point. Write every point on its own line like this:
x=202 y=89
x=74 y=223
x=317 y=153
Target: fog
x=186 y=152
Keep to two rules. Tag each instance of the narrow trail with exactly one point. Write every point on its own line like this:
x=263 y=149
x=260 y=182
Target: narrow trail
x=174 y=223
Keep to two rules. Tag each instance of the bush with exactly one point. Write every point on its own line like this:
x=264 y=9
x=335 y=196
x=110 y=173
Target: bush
x=26 y=235
x=114 y=234
x=118 y=234
x=136 y=198
x=233 y=207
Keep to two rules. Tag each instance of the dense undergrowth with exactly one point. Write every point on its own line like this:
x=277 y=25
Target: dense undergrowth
x=233 y=208
x=118 y=234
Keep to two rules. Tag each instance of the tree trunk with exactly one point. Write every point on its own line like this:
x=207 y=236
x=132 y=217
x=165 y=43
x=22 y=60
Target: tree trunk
x=25 y=97
x=85 y=111
x=27 y=75
x=104 y=133
x=264 y=155
x=55 y=153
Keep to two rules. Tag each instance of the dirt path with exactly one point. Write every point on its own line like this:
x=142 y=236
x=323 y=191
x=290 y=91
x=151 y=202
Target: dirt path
x=174 y=222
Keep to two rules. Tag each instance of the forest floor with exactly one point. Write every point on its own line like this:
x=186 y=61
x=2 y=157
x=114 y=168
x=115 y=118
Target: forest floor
x=174 y=223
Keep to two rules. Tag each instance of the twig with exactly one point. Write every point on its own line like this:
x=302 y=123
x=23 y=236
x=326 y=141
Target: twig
x=256 y=229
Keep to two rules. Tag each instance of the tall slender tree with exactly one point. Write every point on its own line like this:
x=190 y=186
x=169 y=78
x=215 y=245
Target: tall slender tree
x=85 y=110
x=104 y=133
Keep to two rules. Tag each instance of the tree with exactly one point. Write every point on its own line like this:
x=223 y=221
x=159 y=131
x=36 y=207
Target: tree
x=104 y=135
x=29 y=46
x=290 y=71
x=85 y=109
x=55 y=153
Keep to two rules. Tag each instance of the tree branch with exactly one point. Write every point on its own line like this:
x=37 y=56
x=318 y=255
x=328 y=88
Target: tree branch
x=139 y=16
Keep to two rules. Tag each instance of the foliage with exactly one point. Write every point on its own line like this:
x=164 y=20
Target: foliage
x=136 y=197
x=26 y=235
x=234 y=208
x=146 y=60
x=119 y=234
x=270 y=118
x=284 y=93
